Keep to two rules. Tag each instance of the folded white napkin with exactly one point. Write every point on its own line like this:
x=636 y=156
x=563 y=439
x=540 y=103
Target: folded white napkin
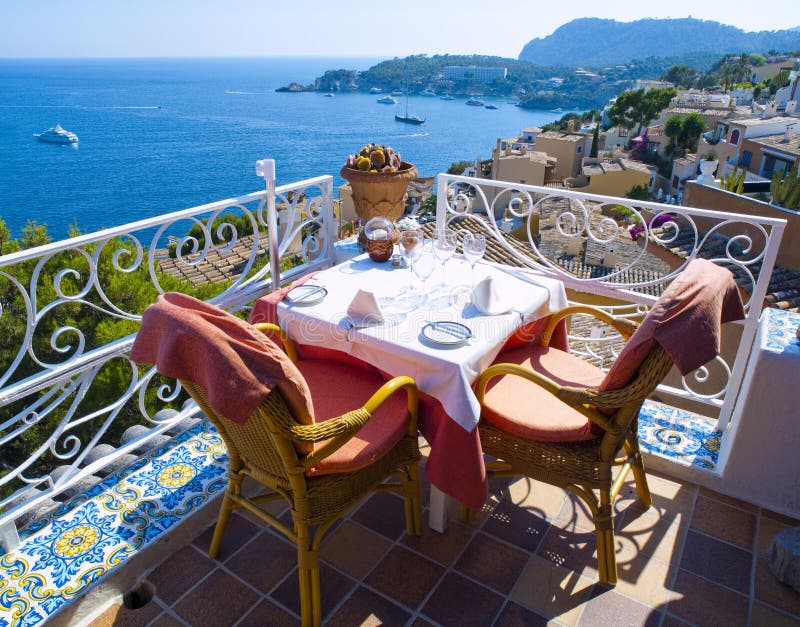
x=364 y=310
x=489 y=297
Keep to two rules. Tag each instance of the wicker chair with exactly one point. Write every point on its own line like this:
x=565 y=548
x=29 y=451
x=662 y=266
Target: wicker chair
x=585 y=466
x=265 y=448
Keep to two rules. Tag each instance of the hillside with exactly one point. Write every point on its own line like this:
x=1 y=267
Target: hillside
x=616 y=43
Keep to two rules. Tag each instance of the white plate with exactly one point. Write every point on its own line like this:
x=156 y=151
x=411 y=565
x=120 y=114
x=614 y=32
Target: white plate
x=306 y=295
x=446 y=333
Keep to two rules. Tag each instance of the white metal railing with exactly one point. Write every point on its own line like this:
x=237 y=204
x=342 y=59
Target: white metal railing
x=560 y=225
x=52 y=364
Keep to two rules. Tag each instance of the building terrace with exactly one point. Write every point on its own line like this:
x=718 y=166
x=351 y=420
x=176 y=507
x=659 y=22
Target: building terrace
x=698 y=556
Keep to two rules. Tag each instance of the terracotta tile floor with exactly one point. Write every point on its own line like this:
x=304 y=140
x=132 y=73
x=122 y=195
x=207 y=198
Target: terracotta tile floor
x=695 y=557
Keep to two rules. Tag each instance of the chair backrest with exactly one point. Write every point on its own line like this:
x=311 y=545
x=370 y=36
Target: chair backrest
x=686 y=321
x=682 y=328
x=235 y=366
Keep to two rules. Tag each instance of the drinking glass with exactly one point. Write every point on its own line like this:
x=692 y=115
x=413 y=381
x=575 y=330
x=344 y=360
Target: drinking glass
x=474 y=247
x=445 y=242
x=424 y=265
x=409 y=244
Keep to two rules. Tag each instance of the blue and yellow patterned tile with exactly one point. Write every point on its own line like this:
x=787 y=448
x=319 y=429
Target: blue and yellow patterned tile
x=781 y=330
x=100 y=530
x=680 y=435
x=16 y=608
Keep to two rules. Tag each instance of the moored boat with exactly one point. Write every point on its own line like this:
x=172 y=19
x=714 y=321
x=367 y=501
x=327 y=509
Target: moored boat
x=387 y=100
x=58 y=135
x=474 y=102
x=410 y=118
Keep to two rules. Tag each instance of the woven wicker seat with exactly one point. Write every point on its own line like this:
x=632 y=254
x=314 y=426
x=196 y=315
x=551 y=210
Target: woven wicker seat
x=584 y=466
x=266 y=446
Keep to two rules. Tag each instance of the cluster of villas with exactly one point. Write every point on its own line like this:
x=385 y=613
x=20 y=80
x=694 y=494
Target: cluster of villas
x=760 y=139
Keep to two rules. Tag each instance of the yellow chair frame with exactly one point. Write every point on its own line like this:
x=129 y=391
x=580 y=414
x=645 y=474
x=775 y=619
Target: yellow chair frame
x=582 y=467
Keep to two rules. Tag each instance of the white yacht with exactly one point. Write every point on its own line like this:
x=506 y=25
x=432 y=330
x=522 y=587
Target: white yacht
x=58 y=135
x=387 y=100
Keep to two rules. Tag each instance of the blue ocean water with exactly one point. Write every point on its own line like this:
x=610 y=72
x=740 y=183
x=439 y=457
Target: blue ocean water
x=160 y=135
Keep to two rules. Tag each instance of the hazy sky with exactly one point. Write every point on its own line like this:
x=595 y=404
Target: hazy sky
x=144 y=28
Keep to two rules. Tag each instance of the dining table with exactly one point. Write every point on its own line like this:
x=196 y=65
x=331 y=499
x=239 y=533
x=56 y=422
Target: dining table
x=382 y=315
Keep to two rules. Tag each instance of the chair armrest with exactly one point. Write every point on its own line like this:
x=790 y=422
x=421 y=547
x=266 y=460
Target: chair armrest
x=336 y=432
x=569 y=395
x=623 y=326
x=268 y=328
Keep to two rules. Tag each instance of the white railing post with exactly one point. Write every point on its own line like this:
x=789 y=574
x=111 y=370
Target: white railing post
x=441 y=201
x=9 y=538
x=266 y=168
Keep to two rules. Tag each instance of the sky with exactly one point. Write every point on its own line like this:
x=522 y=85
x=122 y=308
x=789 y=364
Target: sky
x=166 y=28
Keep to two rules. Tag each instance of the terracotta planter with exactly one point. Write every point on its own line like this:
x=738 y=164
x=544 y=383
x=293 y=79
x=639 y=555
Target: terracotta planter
x=380 y=193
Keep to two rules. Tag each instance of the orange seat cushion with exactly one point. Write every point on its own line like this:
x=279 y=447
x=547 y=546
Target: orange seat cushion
x=337 y=388
x=525 y=409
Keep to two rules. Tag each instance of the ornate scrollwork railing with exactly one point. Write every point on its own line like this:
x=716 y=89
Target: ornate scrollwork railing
x=626 y=251
x=69 y=311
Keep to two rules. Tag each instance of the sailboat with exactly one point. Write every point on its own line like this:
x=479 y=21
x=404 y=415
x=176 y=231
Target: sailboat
x=409 y=118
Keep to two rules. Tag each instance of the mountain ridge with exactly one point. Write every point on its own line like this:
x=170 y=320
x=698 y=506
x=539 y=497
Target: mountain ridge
x=623 y=42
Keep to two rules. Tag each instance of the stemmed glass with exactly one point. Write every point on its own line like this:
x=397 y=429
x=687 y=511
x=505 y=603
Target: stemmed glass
x=445 y=242
x=409 y=244
x=474 y=247
x=424 y=264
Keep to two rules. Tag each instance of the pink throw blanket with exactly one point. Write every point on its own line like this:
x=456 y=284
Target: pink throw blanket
x=686 y=320
x=233 y=363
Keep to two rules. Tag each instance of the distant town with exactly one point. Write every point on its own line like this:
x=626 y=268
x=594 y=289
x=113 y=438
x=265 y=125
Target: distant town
x=738 y=123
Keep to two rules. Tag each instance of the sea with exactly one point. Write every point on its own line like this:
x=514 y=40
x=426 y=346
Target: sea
x=161 y=135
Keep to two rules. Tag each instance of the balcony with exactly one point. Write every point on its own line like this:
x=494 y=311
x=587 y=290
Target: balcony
x=699 y=555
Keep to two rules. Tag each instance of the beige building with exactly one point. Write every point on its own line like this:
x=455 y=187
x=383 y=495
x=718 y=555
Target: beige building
x=615 y=137
x=771 y=153
x=530 y=167
x=568 y=148
x=526 y=139
x=612 y=177
x=517 y=166
x=733 y=134
x=346 y=208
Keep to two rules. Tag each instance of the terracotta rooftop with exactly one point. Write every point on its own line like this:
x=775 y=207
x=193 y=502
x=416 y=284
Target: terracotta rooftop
x=780 y=143
x=563 y=135
x=616 y=165
x=762 y=121
x=719 y=112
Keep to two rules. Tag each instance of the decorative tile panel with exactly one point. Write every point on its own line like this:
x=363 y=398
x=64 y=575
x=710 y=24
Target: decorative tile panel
x=65 y=553
x=779 y=331
x=683 y=437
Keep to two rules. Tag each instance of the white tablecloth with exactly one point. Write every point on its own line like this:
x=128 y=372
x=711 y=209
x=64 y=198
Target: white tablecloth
x=397 y=346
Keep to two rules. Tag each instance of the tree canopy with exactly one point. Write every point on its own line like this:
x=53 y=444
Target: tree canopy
x=684 y=133
x=639 y=107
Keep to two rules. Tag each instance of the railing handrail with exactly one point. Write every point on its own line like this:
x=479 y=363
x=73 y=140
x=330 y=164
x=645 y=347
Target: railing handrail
x=147 y=223
x=647 y=204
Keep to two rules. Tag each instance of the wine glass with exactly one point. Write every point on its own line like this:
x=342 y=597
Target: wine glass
x=445 y=242
x=408 y=243
x=474 y=246
x=424 y=265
